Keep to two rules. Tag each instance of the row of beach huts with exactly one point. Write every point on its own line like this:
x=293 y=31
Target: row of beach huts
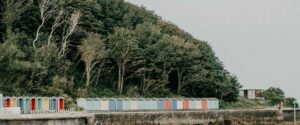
x=52 y=104
x=27 y=104
x=131 y=104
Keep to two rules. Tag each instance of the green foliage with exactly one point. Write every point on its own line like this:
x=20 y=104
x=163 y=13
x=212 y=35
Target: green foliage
x=140 y=54
x=242 y=103
x=274 y=95
x=288 y=102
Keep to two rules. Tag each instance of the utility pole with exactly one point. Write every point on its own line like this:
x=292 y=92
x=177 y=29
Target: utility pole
x=295 y=118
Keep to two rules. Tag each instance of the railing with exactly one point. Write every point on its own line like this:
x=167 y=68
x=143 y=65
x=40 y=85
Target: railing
x=12 y=111
x=18 y=111
x=50 y=111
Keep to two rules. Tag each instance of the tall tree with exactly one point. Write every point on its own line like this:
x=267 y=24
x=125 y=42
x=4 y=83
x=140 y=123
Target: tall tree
x=47 y=9
x=68 y=30
x=92 y=52
x=123 y=48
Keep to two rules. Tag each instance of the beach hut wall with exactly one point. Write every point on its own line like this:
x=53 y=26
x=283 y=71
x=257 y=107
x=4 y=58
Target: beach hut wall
x=134 y=104
x=13 y=102
x=167 y=104
x=174 y=104
x=141 y=104
x=179 y=104
x=204 y=104
x=39 y=103
x=186 y=104
x=7 y=101
x=21 y=103
x=104 y=104
x=45 y=103
x=61 y=103
x=112 y=104
x=161 y=104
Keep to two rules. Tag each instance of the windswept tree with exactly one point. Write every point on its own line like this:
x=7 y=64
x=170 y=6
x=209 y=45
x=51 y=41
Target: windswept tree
x=123 y=48
x=59 y=20
x=68 y=30
x=92 y=52
x=47 y=8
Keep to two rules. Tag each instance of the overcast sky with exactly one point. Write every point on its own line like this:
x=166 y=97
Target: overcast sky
x=257 y=40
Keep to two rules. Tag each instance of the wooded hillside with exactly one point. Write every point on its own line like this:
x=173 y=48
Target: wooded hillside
x=92 y=48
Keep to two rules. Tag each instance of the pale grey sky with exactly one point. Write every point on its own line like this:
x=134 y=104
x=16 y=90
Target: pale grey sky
x=257 y=40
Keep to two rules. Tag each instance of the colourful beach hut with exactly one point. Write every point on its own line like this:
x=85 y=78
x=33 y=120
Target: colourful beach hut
x=126 y=104
x=33 y=103
x=53 y=103
x=61 y=103
x=103 y=104
x=148 y=104
x=89 y=104
x=140 y=104
x=212 y=103
x=39 y=105
x=96 y=104
x=7 y=102
x=204 y=104
x=133 y=104
x=174 y=104
x=154 y=104
x=161 y=103
x=21 y=103
x=192 y=103
x=167 y=104
x=186 y=103
x=45 y=103
x=112 y=104
x=119 y=105
x=198 y=103
x=26 y=104
x=14 y=102
x=179 y=104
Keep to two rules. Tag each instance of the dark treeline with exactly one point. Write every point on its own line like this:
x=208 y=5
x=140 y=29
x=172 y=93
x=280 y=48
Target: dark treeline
x=90 y=48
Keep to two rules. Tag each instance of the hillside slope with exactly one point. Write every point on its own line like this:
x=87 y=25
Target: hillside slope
x=82 y=48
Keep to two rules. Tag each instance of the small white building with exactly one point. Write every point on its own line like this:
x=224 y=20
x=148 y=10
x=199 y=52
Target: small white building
x=251 y=93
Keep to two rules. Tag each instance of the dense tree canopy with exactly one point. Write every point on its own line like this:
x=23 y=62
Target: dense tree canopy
x=81 y=48
x=274 y=95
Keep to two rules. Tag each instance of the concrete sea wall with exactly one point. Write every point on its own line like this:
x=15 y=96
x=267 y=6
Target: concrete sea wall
x=76 y=118
x=76 y=121
x=211 y=117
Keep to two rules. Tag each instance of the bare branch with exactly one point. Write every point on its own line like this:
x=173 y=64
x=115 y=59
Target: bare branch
x=47 y=9
x=58 y=21
x=69 y=30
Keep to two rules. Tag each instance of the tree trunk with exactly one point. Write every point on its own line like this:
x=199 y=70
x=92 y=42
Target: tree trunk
x=180 y=82
x=143 y=84
x=88 y=77
x=37 y=35
x=50 y=36
x=119 y=78
x=122 y=78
